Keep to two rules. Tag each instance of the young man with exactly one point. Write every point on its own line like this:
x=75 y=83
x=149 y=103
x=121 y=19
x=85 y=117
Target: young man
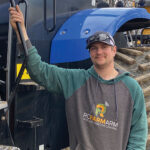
x=104 y=107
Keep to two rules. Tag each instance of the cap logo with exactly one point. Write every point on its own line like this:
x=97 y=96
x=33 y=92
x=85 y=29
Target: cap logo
x=103 y=37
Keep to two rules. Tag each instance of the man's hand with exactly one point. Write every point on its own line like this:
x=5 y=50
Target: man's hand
x=17 y=16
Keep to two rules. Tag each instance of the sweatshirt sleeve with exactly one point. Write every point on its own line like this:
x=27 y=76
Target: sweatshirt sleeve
x=53 y=78
x=139 y=128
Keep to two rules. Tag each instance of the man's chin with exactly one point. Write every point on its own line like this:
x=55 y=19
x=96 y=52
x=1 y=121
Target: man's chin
x=100 y=65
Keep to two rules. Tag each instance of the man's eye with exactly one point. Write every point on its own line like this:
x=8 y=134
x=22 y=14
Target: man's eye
x=104 y=46
x=93 y=48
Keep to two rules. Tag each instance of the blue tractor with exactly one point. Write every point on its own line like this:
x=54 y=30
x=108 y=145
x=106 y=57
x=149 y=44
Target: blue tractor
x=36 y=118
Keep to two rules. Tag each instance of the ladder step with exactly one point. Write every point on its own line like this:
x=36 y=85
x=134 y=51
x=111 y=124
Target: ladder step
x=35 y=122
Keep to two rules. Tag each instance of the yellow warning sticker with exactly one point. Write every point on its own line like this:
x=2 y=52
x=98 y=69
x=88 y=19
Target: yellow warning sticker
x=25 y=75
x=146 y=31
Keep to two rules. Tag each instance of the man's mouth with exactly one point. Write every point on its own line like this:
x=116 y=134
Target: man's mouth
x=99 y=57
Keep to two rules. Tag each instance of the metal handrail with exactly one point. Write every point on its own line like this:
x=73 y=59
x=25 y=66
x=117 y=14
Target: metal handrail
x=26 y=10
x=45 y=16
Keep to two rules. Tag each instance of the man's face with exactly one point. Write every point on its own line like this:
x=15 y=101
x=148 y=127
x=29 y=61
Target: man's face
x=102 y=54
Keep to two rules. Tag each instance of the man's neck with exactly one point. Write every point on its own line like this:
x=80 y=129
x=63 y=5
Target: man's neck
x=107 y=73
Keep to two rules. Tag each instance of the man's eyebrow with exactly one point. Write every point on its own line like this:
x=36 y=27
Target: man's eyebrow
x=93 y=45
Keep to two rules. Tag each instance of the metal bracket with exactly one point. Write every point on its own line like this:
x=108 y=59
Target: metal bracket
x=35 y=122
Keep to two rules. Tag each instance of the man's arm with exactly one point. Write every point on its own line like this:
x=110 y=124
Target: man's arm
x=139 y=129
x=53 y=78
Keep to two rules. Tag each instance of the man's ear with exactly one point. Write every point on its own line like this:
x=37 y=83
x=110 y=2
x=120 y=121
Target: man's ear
x=114 y=49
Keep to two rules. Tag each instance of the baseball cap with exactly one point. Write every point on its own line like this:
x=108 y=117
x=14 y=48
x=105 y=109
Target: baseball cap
x=100 y=36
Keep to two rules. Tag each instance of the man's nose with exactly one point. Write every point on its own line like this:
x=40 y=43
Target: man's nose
x=99 y=50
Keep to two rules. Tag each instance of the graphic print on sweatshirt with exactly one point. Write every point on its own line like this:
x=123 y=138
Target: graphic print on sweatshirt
x=99 y=118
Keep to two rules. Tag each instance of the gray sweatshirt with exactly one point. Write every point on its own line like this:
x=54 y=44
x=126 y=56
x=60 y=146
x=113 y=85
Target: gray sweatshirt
x=101 y=114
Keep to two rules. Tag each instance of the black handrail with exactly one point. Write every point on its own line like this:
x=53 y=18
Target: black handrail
x=45 y=16
x=26 y=10
x=14 y=89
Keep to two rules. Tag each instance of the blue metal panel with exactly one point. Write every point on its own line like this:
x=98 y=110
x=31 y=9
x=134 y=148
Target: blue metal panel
x=70 y=41
x=4 y=15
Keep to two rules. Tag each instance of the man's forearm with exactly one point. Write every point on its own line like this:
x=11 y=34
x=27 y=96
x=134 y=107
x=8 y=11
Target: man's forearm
x=24 y=34
x=28 y=44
